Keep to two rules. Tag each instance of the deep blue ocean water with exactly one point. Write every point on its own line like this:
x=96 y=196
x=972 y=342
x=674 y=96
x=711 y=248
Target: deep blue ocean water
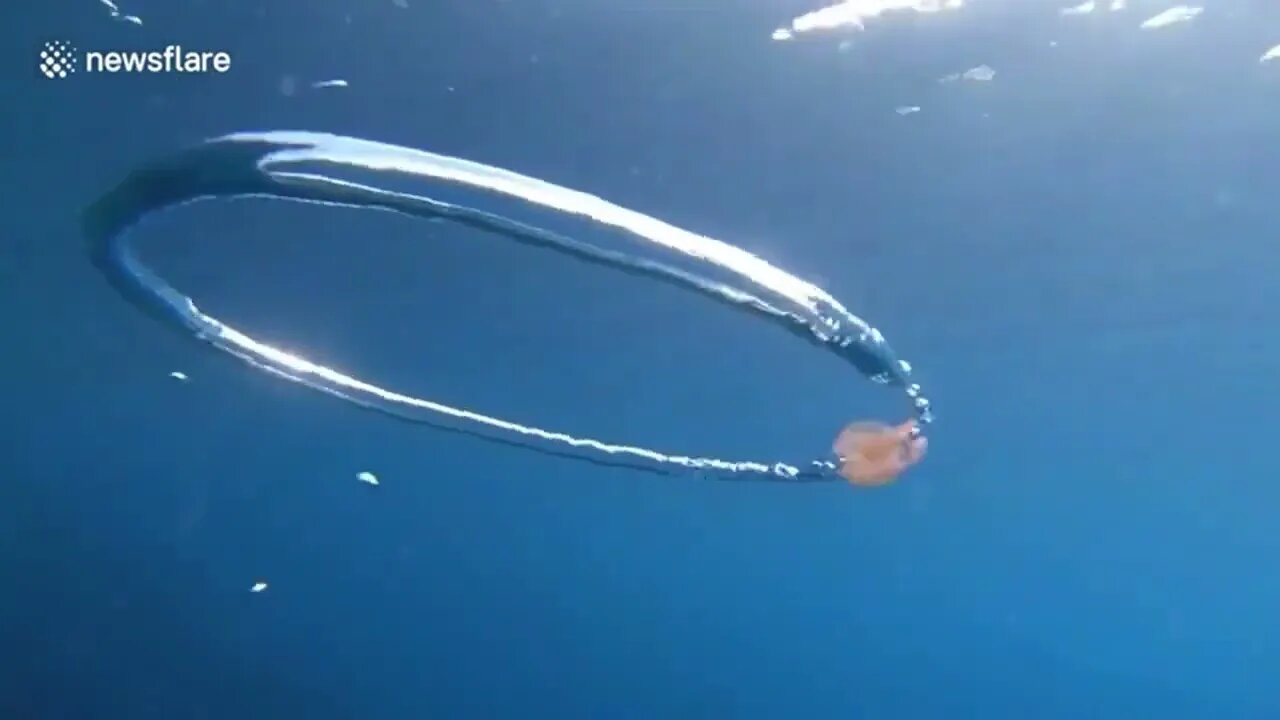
x=1077 y=256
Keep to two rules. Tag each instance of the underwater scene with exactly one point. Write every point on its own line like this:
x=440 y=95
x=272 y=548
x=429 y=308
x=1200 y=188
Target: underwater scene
x=875 y=359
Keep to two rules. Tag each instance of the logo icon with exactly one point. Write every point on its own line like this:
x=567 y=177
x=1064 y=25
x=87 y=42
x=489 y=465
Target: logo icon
x=57 y=59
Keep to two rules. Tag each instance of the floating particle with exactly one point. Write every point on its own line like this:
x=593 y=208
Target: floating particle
x=1272 y=54
x=1172 y=16
x=288 y=85
x=329 y=84
x=1083 y=8
x=982 y=73
x=854 y=14
x=114 y=10
x=402 y=4
x=258 y=587
x=1117 y=5
x=907 y=109
x=367 y=477
x=179 y=376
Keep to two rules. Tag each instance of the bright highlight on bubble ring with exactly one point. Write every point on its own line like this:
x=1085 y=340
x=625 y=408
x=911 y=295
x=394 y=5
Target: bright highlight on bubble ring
x=281 y=164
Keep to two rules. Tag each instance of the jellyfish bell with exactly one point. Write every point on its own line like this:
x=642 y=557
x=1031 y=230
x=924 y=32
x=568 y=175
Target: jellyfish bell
x=873 y=454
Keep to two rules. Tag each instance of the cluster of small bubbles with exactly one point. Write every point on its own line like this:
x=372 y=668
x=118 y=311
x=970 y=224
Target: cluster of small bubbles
x=824 y=467
x=921 y=405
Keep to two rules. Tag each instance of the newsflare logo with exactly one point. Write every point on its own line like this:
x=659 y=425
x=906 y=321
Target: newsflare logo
x=57 y=59
x=60 y=59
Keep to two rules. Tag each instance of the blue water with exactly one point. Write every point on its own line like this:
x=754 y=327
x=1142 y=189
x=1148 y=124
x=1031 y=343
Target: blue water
x=1076 y=257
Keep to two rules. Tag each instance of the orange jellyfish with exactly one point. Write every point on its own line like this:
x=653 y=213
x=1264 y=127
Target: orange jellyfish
x=873 y=454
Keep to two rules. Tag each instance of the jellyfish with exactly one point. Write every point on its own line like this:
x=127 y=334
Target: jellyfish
x=873 y=454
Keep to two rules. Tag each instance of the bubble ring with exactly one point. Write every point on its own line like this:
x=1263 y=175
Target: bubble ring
x=257 y=164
